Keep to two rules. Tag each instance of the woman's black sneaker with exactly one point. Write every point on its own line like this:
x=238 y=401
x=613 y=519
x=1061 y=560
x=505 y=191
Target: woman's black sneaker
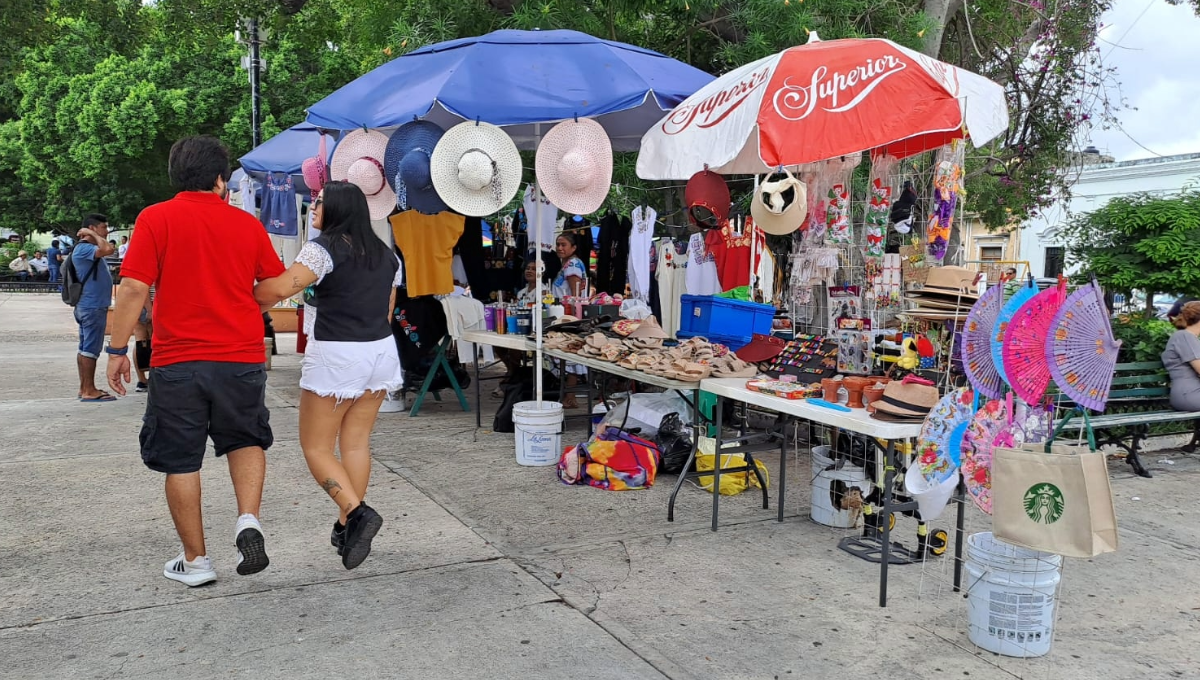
x=361 y=526
x=337 y=538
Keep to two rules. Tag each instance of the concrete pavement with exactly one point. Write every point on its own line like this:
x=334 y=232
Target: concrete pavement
x=485 y=569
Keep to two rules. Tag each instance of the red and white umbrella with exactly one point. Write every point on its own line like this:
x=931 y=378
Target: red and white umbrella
x=819 y=101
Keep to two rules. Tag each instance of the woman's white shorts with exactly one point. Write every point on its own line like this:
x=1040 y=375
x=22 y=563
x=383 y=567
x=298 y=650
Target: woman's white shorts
x=347 y=370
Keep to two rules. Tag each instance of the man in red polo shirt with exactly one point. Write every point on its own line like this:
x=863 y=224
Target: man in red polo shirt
x=207 y=376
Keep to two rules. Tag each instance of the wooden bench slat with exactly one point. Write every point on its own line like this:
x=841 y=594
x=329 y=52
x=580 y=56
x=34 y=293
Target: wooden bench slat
x=1139 y=366
x=1135 y=379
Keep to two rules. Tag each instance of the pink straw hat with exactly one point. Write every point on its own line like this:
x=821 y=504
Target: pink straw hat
x=358 y=159
x=574 y=166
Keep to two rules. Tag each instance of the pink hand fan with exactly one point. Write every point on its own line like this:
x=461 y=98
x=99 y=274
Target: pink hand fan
x=1025 y=343
x=976 y=343
x=980 y=438
x=1081 y=349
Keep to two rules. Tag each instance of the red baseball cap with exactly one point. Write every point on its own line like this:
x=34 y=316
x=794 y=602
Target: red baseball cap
x=762 y=348
x=706 y=189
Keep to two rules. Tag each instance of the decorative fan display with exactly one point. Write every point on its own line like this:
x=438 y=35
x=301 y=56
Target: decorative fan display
x=1008 y=423
x=1081 y=349
x=1025 y=343
x=989 y=420
x=1024 y=294
x=938 y=447
x=976 y=343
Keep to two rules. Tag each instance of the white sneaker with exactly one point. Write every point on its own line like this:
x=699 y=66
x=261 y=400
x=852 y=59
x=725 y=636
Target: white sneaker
x=393 y=402
x=195 y=573
x=252 y=549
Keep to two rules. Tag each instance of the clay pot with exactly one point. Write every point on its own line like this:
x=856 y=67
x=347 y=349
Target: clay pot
x=855 y=386
x=870 y=395
x=830 y=387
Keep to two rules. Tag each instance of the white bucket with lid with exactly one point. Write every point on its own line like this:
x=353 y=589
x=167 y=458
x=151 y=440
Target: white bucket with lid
x=1011 y=592
x=538 y=432
x=830 y=485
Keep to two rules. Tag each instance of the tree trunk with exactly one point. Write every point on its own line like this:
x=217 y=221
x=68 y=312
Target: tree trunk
x=940 y=12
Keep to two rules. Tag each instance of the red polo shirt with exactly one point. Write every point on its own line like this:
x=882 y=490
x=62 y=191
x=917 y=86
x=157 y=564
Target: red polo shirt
x=203 y=257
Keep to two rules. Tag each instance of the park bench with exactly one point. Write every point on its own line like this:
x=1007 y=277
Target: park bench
x=10 y=282
x=1140 y=398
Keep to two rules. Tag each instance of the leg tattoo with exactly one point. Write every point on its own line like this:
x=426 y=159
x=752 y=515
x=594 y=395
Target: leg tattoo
x=331 y=487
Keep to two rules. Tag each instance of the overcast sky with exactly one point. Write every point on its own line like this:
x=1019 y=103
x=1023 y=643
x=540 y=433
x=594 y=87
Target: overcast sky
x=1156 y=49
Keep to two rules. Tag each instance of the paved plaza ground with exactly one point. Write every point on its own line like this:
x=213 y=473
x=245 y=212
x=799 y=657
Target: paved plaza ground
x=485 y=569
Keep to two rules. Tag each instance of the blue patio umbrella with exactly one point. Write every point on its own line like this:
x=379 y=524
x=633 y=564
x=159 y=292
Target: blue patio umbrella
x=523 y=81
x=285 y=152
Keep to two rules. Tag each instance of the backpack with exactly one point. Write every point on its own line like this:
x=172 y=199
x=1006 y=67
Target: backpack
x=612 y=460
x=72 y=286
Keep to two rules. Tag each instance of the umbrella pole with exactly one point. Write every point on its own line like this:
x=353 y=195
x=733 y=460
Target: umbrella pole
x=537 y=249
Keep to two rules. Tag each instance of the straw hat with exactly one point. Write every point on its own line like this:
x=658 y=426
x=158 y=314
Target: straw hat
x=358 y=159
x=574 y=166
x=949 y=282
x=906 y=399
x=706 y=189
x=315 y=170
x=407 y=164
x=476 y=168
x=649 y=328
x=779 y=206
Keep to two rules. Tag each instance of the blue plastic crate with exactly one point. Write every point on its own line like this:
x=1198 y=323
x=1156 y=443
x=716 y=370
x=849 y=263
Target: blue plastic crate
x=733 y=342
x=708 y=316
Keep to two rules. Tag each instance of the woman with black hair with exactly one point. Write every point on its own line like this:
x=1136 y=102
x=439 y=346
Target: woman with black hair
x=351 y=361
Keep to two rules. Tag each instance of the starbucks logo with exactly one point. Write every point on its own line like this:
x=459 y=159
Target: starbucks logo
x=1044 y=503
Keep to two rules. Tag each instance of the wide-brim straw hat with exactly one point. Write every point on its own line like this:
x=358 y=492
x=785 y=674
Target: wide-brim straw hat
x=476 y=168
x=649 y=328
x=904 y=399
x=780 y=206
x=706 y=189
x=315 y=170
x=407 y=164
x=574 y=166
x=949 y=283
x=358 y=159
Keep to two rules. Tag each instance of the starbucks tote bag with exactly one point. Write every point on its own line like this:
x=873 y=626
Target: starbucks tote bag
x=1058 y=502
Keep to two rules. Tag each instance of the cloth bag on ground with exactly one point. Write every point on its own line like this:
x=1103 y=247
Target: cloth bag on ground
x=732 y=483
x=612 y=460
x=647 y=412
x=1058 y=502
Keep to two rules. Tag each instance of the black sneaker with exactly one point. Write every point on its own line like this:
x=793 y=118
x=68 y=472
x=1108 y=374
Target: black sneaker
x=252 y=549
x=141 y=387
x=361 y=526
x=337 y=537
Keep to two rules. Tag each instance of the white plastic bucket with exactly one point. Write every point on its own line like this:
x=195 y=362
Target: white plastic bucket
x=1011 y=592
x=828 y=484
x=538 y=432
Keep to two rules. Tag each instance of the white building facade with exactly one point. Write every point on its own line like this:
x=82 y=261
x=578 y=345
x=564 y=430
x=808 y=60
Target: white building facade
x=1040 y=245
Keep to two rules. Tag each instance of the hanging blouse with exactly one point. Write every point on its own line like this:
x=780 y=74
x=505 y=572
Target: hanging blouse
x=279 y=214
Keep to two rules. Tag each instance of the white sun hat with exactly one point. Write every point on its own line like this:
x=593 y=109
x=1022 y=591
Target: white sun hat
x=476 y=168
x=574 y=166
x=779 y=206
x=358 y=159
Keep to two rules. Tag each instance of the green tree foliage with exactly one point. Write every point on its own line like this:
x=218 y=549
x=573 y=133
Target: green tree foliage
x=1142 y=242
x=102 y=87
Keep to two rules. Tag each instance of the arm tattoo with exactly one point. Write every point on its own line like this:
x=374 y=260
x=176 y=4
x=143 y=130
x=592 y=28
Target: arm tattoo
x=331 y=487
x=296 y=283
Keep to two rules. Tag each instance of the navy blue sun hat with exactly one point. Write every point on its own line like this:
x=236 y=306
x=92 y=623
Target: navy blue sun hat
x=406 y=166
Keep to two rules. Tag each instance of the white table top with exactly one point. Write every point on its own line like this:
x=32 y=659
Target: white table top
x=629 y=374
x=514 y=341
x=857 y=420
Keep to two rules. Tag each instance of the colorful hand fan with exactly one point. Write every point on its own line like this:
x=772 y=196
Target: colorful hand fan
x=1008 y=423
x=938 y=447
x=1081 y=350
x=1024 y=294
x=976 y=343
x=981 y=433
x=1025 y=343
